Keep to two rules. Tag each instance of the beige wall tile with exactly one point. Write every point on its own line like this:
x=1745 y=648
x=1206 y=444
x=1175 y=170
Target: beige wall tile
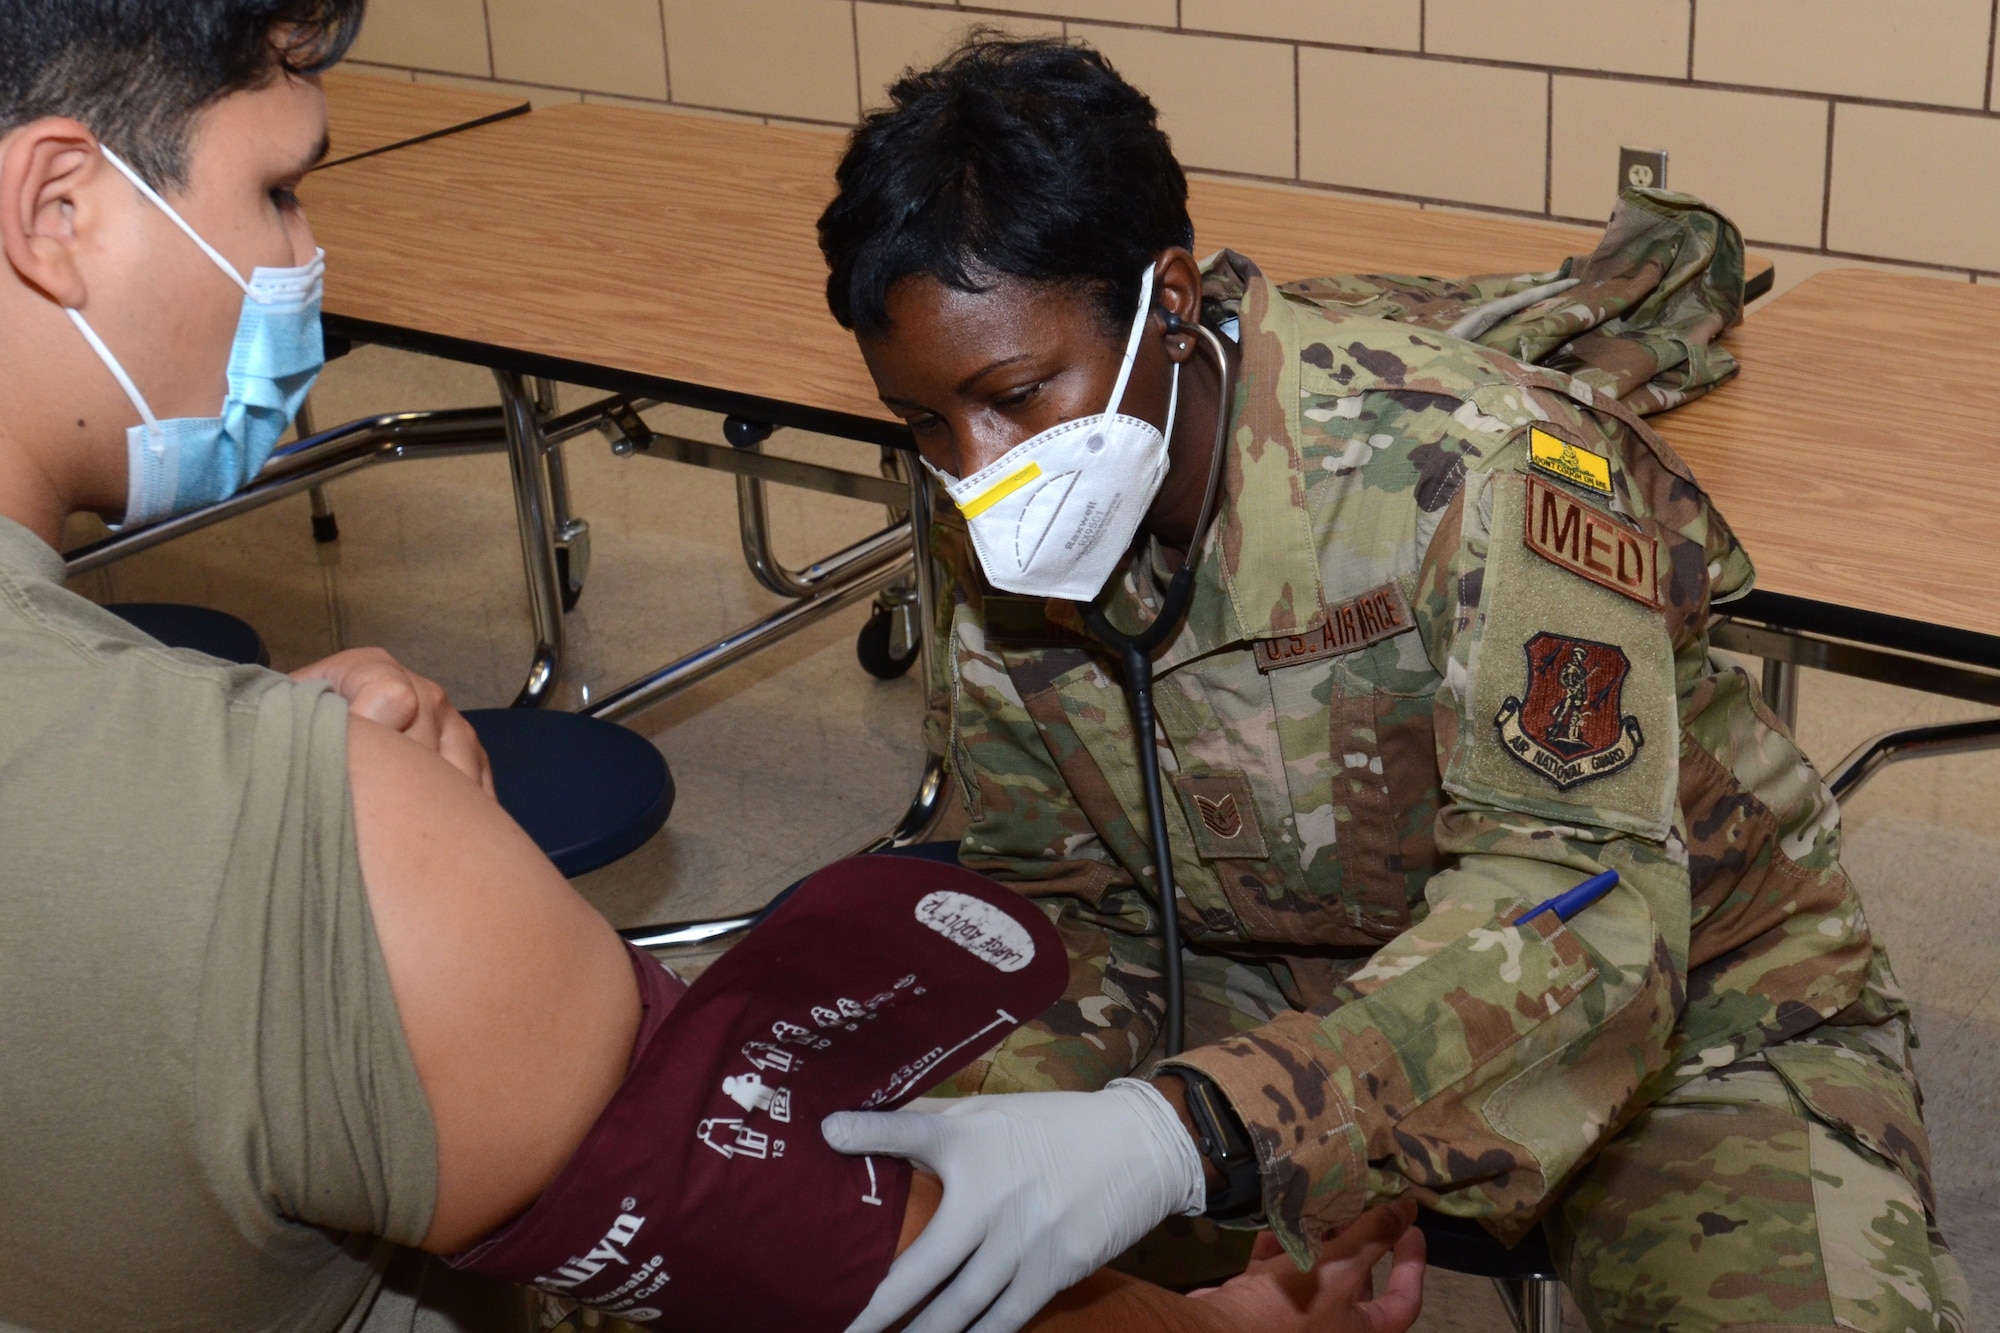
x=1761 y=160
x=426 y=34
x=669 y=109
x=1227 y=104
x=1628 y=36
x=393 y=73
x=1390 y=23
x=538 y=97
x=1469 y=133
x=606 y=46
x=1159 y=13
x=1915 y=185
x=772 y=57
x=1900 y=50
x=893 y=38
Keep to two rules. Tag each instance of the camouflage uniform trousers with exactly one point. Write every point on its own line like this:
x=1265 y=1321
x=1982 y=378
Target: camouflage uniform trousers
x=1725 y=1204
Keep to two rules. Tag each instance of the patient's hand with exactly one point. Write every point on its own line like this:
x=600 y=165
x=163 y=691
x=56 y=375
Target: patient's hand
x=1271 y=1296
x=383 y=690
x=1338 y=1295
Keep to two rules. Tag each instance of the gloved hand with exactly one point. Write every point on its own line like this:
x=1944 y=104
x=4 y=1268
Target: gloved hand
x=1041 y=1189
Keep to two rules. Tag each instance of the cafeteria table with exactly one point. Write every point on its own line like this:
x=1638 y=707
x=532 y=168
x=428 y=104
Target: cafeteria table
x=664 y=258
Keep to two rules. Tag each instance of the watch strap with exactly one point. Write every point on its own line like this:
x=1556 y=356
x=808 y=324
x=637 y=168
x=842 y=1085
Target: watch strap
x=1222 y=1141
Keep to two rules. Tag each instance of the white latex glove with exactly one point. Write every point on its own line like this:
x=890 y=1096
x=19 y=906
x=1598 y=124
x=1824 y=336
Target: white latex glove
x=1041 y=1189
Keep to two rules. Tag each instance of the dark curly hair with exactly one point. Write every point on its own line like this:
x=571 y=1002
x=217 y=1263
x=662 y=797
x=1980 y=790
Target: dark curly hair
x=137 y=72
x=1029 y=159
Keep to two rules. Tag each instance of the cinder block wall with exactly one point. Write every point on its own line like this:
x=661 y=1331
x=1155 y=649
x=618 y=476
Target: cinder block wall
x=1833 y=131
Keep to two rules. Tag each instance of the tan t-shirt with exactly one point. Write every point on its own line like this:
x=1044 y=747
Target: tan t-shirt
x=198 y=1043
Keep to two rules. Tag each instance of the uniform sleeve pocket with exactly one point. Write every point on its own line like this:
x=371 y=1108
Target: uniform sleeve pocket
x=1865 y=1098
x=1455 y=1007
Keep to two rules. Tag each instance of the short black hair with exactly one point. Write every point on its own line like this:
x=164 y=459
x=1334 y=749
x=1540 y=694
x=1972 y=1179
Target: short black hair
x=1031 y=159
x=137 y=72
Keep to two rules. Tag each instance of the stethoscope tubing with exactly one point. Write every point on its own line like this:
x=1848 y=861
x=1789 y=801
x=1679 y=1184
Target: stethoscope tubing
x=1135 y=653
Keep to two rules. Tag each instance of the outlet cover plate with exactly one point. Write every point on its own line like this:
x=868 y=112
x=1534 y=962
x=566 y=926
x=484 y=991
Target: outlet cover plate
x=1642 y=168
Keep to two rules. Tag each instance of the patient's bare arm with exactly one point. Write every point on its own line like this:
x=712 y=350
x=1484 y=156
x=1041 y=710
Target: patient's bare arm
x=522 y=1014
x=1272 y=1295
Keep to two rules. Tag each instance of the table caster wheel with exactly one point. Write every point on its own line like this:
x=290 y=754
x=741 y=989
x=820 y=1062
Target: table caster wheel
x=572 y=589
x=875 y=652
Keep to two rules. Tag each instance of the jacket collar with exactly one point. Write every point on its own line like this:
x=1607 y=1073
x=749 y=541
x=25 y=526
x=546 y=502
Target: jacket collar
x=1258 y=575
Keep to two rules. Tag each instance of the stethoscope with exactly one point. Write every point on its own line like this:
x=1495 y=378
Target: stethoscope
x=1136 y=656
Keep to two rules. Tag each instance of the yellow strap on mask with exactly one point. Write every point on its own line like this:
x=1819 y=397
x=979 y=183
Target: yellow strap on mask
x=999 y=491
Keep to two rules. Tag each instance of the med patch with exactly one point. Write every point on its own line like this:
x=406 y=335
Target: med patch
x=1529 y=743
x=1570 y=726
x=1591 y=544
x=1568 y=461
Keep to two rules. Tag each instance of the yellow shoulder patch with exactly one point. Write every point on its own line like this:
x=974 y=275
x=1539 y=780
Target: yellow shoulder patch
x=1569 y=462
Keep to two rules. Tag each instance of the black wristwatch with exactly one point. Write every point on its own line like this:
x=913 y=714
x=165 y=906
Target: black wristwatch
x=1222 y=1140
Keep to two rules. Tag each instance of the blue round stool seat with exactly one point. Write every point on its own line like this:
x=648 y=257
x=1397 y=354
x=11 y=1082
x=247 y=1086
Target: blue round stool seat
x=216 y=633
x=1459 y=1245
x=587 y=791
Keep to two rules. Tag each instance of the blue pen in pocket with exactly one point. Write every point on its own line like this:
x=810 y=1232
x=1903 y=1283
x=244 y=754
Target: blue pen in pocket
x=1568 y=903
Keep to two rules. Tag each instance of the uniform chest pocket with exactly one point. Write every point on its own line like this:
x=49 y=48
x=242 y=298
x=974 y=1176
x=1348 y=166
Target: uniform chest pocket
x=1361 y=766
x=1382 y=761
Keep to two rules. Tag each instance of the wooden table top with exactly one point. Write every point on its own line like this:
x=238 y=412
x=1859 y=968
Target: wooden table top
x=682 y=249
x=1848 y=455
x=366 y=114
x=1296 y=233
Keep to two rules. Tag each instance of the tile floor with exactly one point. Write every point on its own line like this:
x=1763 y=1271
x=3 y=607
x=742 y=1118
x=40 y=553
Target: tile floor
x=797 y=756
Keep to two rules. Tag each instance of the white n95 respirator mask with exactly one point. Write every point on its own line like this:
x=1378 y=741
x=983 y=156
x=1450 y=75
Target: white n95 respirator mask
x=1052 y=516
x=187 y=463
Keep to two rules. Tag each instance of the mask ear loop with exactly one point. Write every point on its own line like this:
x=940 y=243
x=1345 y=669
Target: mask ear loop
x=117 y=371
x=153 y=197
x=1132 y=343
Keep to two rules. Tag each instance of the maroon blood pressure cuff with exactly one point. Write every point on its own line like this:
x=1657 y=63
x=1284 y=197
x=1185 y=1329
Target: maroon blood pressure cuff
x=704 y=1198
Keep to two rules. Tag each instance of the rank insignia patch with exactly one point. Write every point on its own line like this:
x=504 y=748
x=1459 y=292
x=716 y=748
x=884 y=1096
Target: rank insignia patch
x=1570 y=729
x=1568 y=462
x=1569 y=533
x=1223 y=815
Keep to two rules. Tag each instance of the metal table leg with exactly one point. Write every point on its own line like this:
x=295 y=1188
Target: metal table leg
x=1891 y=747
x=928 y=803
x=1781 y=692
x=533 y=508
x=325 y=527
x=572 y=534
x=925 y=806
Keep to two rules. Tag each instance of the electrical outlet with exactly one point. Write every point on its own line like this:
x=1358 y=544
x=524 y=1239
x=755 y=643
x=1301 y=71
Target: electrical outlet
x=1642 y=169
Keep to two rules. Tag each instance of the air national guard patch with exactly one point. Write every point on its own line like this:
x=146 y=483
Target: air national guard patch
x=1550 y=453
x=1570 y=729
x=1565 y=531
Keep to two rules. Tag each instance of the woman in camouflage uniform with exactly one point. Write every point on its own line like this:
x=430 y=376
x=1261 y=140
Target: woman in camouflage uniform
x=1447 y=656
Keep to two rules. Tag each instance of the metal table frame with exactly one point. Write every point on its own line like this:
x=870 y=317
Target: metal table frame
x=882 y=565
x=1789 y=633
x=1786 y=632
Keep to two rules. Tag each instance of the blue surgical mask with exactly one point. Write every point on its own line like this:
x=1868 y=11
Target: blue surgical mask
x=189 y=462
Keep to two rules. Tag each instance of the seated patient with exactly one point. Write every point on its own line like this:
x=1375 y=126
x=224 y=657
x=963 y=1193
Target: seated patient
x=285 y=990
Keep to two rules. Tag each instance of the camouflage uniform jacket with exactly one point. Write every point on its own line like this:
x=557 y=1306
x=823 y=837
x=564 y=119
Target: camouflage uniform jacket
x=1447 y=657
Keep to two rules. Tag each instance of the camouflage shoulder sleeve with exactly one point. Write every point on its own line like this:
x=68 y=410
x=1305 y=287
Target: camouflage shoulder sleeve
x=1479 y=1058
